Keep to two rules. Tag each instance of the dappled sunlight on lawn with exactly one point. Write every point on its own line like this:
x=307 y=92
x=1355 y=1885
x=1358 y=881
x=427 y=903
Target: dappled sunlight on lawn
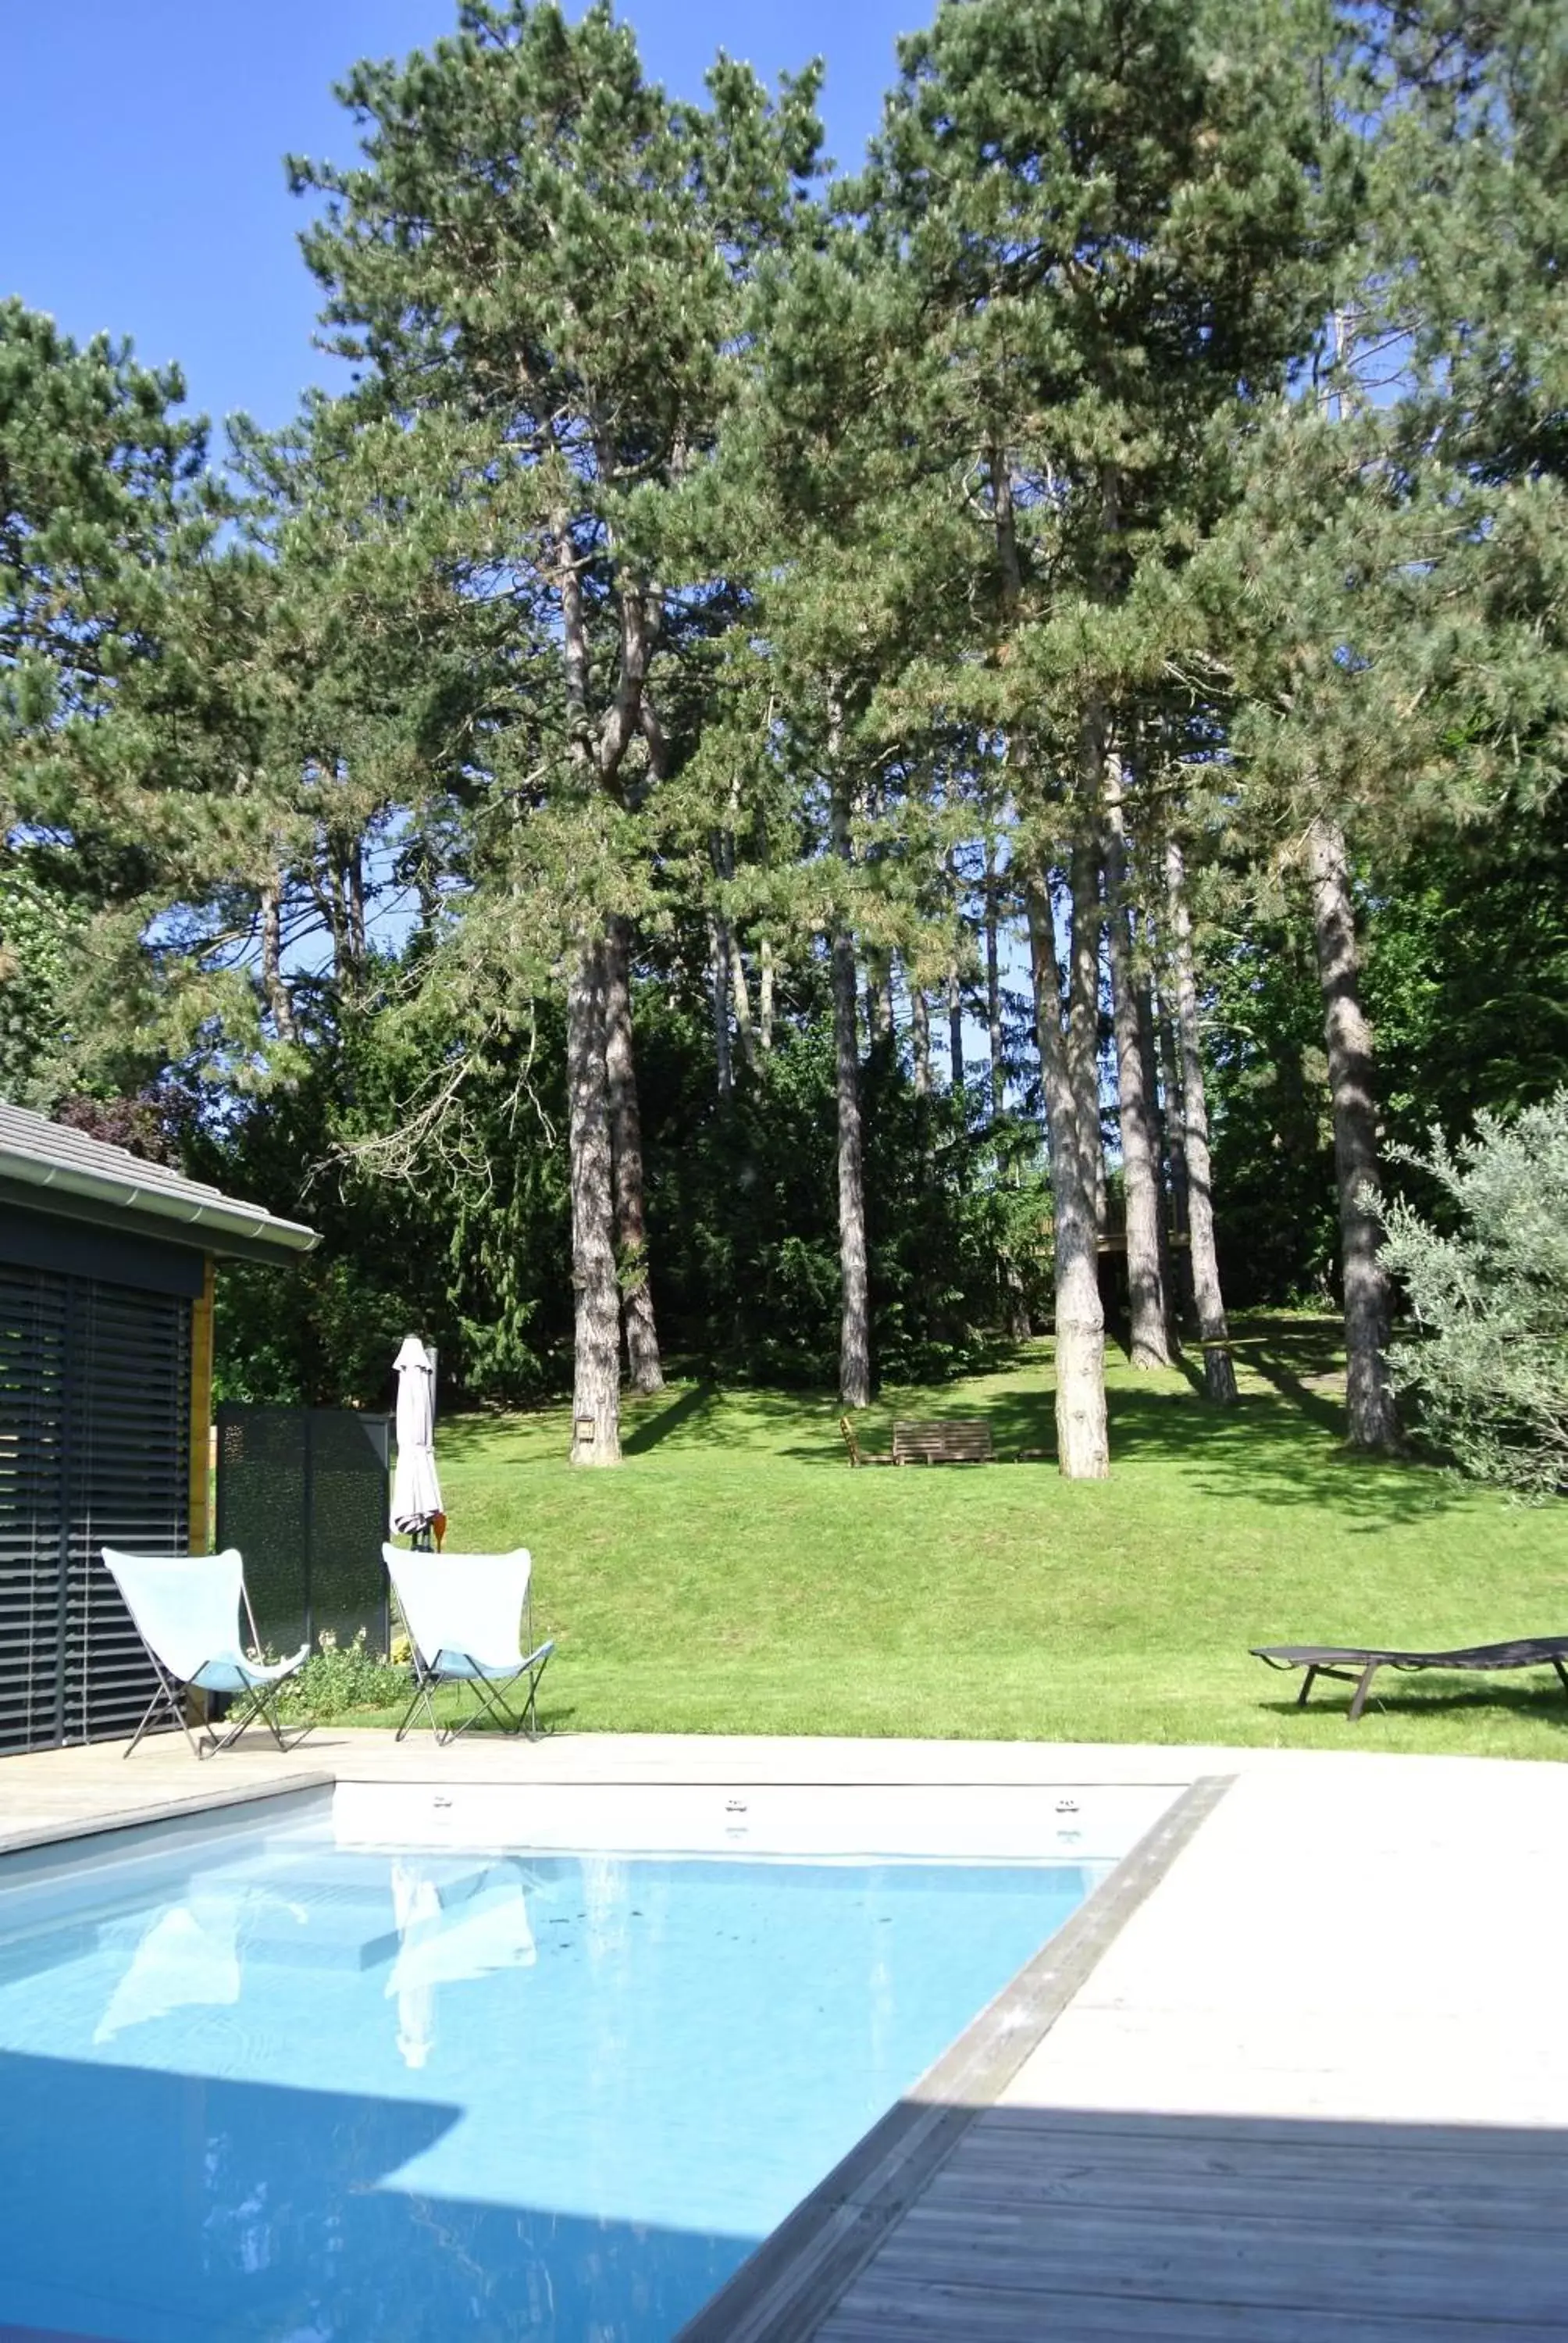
x=737 y=1575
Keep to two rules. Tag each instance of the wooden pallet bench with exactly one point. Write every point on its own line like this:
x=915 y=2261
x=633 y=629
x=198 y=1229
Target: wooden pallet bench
x=965 y=1440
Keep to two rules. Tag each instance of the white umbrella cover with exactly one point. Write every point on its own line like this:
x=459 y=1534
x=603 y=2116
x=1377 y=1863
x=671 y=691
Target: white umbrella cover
x=416 y=1491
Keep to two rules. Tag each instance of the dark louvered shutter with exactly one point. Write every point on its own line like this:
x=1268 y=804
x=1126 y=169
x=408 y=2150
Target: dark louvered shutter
x=129 y=1485
x=33 y=1319
x=94 y=1446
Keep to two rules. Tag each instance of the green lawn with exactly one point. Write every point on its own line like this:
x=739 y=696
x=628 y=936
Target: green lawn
x=735 y=1576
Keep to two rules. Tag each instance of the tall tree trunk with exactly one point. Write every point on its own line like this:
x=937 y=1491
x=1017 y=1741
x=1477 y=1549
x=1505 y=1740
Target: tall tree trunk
x=1140 y=1147
x=1084 y=1021
x=1372 y=1421
x=1149 y=1053
x=356 y=923
x=765 y=994
x=354 y=934
x=1219 y=1374
x=1094 y=1139
x=878 y=1003
x=272 y=978
x=1081 y=1439
x=625 y=1141
x=733 y=973
x=955 y=1031
x=855 y=1334
x=596 y=1388
x=1175 y=1122
x=993 y=984
x=920 y=1038
x=718 y=1002
x=855 y=1328
x=887 y=1021
x=740 y=993
x=1015 y=1316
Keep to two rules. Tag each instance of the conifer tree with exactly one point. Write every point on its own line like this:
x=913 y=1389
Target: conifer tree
x=104 y=504
x=541 y=249
x=1111 y=215
x=1396 y=621
x=120 y=611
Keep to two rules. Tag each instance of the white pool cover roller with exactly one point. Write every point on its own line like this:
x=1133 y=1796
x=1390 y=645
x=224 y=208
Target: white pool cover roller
x=416 y=1491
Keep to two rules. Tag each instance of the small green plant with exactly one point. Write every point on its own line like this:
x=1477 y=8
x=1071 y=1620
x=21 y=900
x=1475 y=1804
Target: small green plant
x=1487 y=1360
x=338 y=1677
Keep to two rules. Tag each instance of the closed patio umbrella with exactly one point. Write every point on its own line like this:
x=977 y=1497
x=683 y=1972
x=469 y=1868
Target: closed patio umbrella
x=416 y=1491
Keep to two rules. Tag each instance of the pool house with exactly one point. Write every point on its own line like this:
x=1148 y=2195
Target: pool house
x=106 y=1279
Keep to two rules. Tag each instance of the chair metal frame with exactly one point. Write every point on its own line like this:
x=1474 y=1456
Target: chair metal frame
x=489 y=1691
x=494 y=1682
x=260 y=1700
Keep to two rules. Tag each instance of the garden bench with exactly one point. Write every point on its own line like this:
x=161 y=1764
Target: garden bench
x=962 y=1441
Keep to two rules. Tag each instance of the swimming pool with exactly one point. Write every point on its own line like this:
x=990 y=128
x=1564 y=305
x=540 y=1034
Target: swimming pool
x=259 y=2084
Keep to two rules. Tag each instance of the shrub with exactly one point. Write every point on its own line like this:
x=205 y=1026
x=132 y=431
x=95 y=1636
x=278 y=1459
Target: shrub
x=1487 y=1359
x=338 y=1677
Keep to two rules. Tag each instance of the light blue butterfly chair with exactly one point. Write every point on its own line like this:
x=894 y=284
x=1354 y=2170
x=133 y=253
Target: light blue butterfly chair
x=185 y=1608
x=469 y=1622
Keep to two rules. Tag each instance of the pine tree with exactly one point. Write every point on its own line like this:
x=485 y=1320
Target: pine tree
x=1396 y=626
x=104 y=506
x=1111 y=216
x=544 y=256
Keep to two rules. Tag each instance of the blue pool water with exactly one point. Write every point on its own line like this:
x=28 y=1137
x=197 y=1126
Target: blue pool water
x=256 y=2087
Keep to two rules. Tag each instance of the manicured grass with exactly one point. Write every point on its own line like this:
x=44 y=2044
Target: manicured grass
x=735 y=1576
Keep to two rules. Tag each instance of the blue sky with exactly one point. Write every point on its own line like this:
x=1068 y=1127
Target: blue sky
x=145 y=139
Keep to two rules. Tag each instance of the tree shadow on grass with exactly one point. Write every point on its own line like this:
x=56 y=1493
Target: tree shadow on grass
x=738 y=1417
x=682 y=1410
x=705 y=1413
x=1271 y=1447
x=1268 y=1448
x=1279 y=1446
x=1299 y=1360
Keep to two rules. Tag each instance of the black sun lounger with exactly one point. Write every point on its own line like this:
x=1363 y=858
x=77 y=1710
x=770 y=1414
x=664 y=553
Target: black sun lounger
x=1327 y=1660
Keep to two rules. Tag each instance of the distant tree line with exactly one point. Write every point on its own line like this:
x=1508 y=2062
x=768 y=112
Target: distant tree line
x=811 y=776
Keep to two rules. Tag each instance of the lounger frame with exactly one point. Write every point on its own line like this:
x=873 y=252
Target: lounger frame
x=1358 y=1664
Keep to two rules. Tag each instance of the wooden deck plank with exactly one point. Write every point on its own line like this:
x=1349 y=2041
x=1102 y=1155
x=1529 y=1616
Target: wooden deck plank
x=1362 y=2268
x=887 y=2313
x=1307 y=2199
x=1119 y=2132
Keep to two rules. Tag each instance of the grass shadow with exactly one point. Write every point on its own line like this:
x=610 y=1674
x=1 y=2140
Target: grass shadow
x=1286 y=1356
x=1539 y=1703
x=1270 y=1446
x=1281 y=1444
x=679 y=1410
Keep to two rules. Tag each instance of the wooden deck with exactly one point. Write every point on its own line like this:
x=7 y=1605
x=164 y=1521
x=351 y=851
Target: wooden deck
x=1189 y=2230
x=1316 y=2091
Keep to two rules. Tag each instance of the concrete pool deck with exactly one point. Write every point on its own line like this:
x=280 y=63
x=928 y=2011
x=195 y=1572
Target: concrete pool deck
x=1314 y=2090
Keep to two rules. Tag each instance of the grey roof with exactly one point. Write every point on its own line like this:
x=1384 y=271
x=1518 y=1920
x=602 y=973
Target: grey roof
x=45 y=1164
